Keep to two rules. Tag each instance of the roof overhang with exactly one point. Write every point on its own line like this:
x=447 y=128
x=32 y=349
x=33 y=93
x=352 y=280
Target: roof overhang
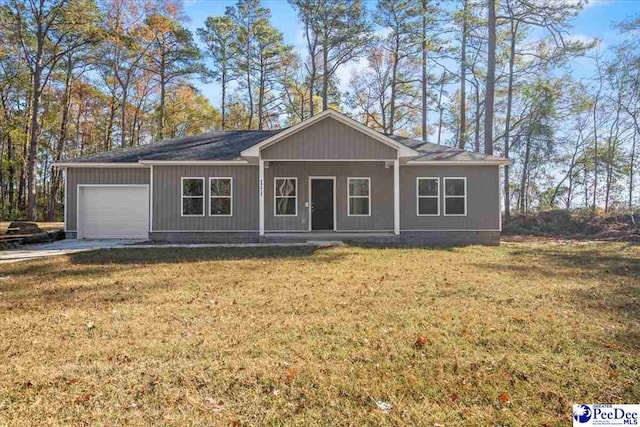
x=489 y=162
x=148 y=163
x=97 y=165
x=193 y=162
x=403 y=150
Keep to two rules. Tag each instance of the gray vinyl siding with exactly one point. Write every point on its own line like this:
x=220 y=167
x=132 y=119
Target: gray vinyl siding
x=167 y=208
x=77 y=176
x=381 y=194
x=483 y=204
x=329 y=139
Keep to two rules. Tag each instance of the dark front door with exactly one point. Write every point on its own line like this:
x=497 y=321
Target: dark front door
x=321 y=204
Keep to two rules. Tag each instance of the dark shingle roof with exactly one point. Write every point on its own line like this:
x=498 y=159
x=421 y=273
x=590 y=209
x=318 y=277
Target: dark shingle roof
x=205 y=146
x=228 y=146
x=429 y=151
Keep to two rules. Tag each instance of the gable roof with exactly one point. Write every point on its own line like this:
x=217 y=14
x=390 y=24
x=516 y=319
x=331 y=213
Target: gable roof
x=403 y=150
x=235 y=145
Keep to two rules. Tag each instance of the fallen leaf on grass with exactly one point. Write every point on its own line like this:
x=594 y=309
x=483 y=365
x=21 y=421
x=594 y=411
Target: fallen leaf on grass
x=454 y=397
x=504 y=397
x=84 y=398
x=290 y=374
x=420 y=342
x=73 y=380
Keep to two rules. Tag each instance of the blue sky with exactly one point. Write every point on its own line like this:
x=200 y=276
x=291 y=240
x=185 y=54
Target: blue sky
x=596 y=20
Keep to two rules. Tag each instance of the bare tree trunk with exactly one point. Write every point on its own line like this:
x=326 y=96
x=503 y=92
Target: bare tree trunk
x=632 y=169
x=440 y=109
x=525 y=174
x=312 y=80
x=11 y=177
x=611 y=149
x=78 y=117
x=224 y=96
x=62 y=141
x=595 y=155
x=163 y=95
x=507 y=129
x=595 y=136
x=394 y=83
x=325 y=76
x=424 y=71
x=312 y=44
x=249 y=88
x=476 y=136
x=490 y=86
x=123 y=116
x=3 y=182
x=33 y=152
x=261 y=83
x=22 y=185
x=462 y=133
x=585 y=171
x=569 y=192
x=110 y=120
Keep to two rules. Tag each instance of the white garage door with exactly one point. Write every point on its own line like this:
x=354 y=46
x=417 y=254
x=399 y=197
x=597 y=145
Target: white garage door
x=113 y=212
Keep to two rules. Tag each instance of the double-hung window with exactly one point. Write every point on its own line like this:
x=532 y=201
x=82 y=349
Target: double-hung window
x=455 y=196
x=220 y=196
x=192 y=196
x=428 y=196
x=285 y=196
x=359 y=196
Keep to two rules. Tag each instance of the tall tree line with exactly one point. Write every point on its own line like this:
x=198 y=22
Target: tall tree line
x=85 y=76
x=78 y=77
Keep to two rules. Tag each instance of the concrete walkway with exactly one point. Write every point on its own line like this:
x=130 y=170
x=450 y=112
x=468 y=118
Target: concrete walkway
x=71 y=246
x=61 y=247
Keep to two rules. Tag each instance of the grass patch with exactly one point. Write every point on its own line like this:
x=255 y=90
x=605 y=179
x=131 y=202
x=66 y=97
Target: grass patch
x=510 y=335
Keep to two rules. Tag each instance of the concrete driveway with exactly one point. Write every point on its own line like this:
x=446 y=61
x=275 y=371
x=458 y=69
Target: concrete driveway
x=62 y=247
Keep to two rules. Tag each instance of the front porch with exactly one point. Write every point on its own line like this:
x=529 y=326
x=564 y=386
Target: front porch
x=331 y=199
x=329 y=236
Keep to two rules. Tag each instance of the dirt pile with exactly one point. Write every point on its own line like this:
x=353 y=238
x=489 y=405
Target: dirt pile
x=578 y=223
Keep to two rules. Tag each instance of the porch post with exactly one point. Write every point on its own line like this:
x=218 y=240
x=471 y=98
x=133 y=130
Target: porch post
x=396 y=197
x=66 y=194
x=151 y=199
x=261 y=192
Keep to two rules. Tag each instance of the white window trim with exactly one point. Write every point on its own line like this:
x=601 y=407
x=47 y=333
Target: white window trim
x=349 y=196
x=182 y=196
x=275 y=196
x=444 y=192
x=418 y=196
x=230 y=196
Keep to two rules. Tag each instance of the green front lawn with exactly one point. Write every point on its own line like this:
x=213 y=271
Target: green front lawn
x=512 y=335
